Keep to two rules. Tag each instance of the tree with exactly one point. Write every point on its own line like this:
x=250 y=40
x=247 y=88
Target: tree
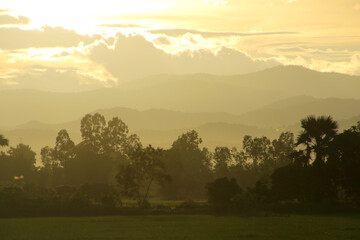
x=47 y=158
x=116 y=137
x=222 y=191
x=189 y=167
x=4 y=160
x=22 y=162
x=136 y=178
x=256 y=150
x=316 y=136
x=104 y=145
x=92 y=129
x=223 y=159
x=189 y=141
x=108 y=138
x=89 y=167
x=55 y=159
x=64 y=150
x=344 y=162
x=282 y=148
x=3 y=141
x=101 y=193
x=289 y=183
x=308 y=177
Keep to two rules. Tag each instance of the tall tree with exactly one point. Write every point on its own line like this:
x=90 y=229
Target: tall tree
x=256 y=150
x=282 y=148
x=316 y=136
x=344 y=162
x=145 y=168
x=92 y=129
x=64 y=147
x=22 y=162
x=107 y=138
x=189 y=167
x=223 y=159
x=3 y=141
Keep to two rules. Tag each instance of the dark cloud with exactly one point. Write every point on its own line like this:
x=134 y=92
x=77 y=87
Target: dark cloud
x=11 y=20
x=135 y=57
x=47 y=37
x=207 y=34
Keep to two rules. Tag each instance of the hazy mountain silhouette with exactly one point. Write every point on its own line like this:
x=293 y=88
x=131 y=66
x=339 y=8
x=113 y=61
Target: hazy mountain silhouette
x=298 y=80
x=347 y=123
x=161 y=127
x=288 y=111
x=191 y=93
x=278 y=114
x=213 y=134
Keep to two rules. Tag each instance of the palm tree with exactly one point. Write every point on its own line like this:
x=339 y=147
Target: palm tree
x=316 y=136
x=3 y=141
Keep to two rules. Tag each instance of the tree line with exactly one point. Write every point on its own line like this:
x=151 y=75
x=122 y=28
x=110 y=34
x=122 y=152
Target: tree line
x=110 y=164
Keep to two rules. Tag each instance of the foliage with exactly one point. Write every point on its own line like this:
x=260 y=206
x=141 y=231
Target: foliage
x=222 y=191
x=189 y=167
x=3 y=141
x=104 y=146
x=321 y=167
x=327 y=167
x=144 y=169
x=316 y=136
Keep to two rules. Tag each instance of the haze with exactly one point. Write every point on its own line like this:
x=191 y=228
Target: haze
x=210 y=62
x=177 y=112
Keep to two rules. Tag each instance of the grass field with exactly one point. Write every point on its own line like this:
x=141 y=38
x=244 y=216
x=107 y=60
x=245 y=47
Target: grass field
x=182 y=227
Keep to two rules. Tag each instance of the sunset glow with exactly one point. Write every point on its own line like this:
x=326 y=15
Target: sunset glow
x=322 y=36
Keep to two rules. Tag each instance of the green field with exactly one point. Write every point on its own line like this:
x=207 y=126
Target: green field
x=183 y=227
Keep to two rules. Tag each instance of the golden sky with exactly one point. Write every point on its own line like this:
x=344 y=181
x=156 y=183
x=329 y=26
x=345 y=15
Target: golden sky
x=103 y=43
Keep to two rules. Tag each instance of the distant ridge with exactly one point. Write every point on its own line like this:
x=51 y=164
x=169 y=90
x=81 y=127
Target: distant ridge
x=237 y=94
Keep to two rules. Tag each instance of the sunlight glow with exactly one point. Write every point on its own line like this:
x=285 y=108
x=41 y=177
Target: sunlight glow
x=80 y=14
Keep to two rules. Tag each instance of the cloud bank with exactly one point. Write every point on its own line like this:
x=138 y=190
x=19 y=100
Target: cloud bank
x=135 y=57
x=6 y=19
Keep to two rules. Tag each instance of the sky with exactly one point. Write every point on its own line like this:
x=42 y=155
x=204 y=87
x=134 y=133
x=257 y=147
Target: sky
x=82 y=45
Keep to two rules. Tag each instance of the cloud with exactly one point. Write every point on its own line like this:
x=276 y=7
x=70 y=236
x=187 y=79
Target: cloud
x=162 y=41
x=207 y=34
x=46 y=37
x=332 y=53
x=349 y=66
x=11 y=20
x=121 y=25
x=135 y=57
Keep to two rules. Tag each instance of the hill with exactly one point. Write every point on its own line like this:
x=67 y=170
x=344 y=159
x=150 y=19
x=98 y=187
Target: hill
x=289 y=111
x=187 y=93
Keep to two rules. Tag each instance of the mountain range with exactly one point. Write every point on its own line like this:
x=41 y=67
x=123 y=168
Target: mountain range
x=159 y=108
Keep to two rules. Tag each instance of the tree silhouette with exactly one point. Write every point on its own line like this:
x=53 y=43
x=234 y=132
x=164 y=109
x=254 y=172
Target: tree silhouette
x=64 y=147
x=92 y=129
x=257 y=149
x=222 y=191
x=189 y=167
x=344 y=162
x=316 y=136
x=3 y=141
x=136 y=178
x=223 y=159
